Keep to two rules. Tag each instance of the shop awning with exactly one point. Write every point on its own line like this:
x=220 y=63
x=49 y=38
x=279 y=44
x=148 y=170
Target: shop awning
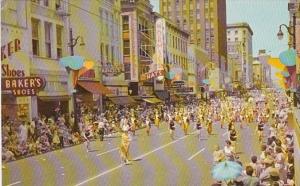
x=124 y=100
x=54 y=98
x=94 y=87
x=152 y=100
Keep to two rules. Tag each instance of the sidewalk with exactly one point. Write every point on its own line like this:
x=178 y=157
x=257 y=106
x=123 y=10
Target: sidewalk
x=296 y=127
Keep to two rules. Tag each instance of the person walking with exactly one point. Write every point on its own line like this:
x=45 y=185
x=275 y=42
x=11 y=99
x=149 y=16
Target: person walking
x=148 y=125
x=86 y=135
x=172 y=128
x=101 y=127
x=125 y=144
x=198 y=128
x=185 y=124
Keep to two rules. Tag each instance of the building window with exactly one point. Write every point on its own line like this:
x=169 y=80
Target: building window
x=107 y=52
x=125 y=20
x=126 y=47
x=59 y=41
x=101 y=53
x=48 y=39
x=57 y=4
x=236 y=39
x=35 y=36
x=36 y=1
x=127 y=71
x=112 y=54
x=236 y=32
x=46 y=2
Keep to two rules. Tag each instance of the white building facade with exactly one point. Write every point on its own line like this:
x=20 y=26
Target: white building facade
x=239 y=46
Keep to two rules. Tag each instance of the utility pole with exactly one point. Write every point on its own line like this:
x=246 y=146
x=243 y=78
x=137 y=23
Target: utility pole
x=72 y=43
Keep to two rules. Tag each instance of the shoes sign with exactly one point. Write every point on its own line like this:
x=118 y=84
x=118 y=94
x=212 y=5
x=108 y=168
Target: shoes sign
x=15 y=80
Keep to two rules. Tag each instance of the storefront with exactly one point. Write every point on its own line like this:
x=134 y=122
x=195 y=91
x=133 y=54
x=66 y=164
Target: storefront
x=90 y=94
x=17 y=85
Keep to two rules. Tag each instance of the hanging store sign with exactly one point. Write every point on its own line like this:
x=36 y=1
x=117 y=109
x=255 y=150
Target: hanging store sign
x=89 y=74
x=15 y=81
x=184 y=89
x=112 y=69
x=153 y=74
x=160 y=27
x=176 y=84
x=23 y=86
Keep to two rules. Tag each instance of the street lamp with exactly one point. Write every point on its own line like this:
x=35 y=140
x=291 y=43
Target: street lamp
x=291 y=30
x=72 y=43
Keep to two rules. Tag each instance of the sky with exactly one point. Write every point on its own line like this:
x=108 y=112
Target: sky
x=264 y=18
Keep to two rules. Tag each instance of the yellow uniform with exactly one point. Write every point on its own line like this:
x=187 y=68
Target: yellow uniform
x=124 y=147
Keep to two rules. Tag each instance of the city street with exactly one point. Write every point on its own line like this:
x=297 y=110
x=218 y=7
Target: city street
x=150 y=92
x=156 y=160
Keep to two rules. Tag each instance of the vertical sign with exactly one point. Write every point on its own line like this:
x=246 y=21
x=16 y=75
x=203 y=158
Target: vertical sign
x=134 y=46
x=160 y=42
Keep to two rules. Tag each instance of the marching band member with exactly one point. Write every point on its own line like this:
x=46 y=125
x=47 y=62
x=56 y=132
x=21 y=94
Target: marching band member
x=125 y=144
x=172 y=128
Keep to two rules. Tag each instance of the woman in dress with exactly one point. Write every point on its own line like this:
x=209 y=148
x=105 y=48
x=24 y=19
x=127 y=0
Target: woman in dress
x=156 y=119
x=185 y=124
x=125 y=144
x=209 y=126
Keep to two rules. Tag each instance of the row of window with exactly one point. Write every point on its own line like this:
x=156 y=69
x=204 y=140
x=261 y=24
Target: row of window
x=46 y=3
x=236 y=32
x=48 y=29
x=109 y=54
x=177 y=43
x=177 y=61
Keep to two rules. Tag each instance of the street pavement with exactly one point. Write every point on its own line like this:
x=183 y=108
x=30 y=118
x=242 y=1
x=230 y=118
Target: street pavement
x=156 y=160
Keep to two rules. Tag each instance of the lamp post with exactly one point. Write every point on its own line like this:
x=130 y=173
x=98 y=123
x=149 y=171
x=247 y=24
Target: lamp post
x=72 y=43
x=292 y=32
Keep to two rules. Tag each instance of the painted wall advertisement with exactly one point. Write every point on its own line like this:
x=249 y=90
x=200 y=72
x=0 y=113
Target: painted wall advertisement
x=15 y=71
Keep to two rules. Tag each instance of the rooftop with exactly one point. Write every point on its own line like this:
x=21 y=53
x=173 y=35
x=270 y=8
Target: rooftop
x=240 y=25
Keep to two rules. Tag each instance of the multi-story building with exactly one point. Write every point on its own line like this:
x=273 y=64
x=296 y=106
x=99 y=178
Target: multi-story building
x=38 y=32
x=171 y=50
x=263 y=58
x=97 y=23
x=257 y=73
x=206 y=23
x=111 y=55
x=138 y=44
x=239 y=48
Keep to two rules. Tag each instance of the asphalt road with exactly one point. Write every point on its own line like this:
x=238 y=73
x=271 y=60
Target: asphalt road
x=157 y=160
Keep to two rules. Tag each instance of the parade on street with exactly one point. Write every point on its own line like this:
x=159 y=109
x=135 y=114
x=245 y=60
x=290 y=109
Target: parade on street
x=150 y=93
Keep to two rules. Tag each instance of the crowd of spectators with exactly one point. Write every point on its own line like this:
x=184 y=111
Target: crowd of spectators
x=275 y=164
